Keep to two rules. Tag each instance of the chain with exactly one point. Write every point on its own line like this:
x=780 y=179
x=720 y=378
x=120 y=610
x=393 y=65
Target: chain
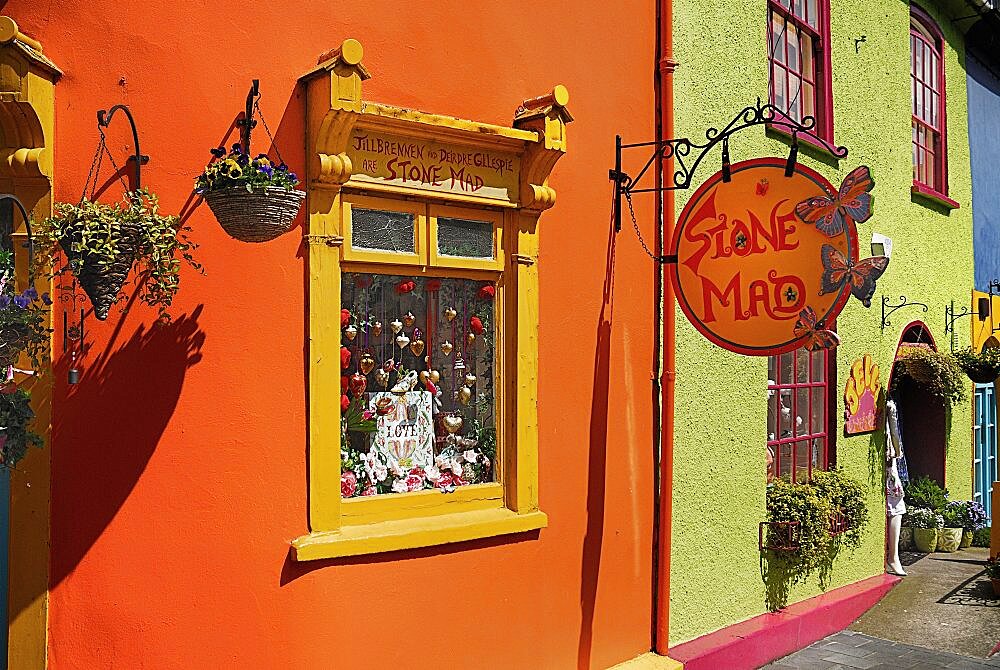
x=94 y=165
x=274 y=145
x=635 y=224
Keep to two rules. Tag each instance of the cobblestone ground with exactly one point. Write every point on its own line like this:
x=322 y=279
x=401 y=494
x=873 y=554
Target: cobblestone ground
x=942 y=615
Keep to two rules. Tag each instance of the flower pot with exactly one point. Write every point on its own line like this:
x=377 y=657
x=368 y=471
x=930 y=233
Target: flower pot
x=925 y=539
x=981 y=375
x=949 y=539
x=102 y=281
x=906 y=538
x=996 y=586
x=255 y=216
x=966 y=539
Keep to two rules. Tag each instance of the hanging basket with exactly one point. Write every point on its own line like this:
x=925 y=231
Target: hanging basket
x=102 y=281
x=255 y=216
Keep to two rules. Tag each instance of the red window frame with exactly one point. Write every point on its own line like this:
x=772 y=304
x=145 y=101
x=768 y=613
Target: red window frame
x=797 y=17
x=788 y=449
x=928 y=96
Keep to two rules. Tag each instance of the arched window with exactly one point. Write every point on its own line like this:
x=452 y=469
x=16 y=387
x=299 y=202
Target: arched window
x=930 y=166
x=799 y=54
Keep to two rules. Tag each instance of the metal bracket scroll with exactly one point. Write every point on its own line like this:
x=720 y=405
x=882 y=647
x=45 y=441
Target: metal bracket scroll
x=247 y=123
x=104 y=120
x=903 y=302
x=994 y=288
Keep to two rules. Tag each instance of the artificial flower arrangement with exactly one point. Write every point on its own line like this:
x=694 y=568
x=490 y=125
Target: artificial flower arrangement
x=22 y=319
x=253 y=199
x=103 y=242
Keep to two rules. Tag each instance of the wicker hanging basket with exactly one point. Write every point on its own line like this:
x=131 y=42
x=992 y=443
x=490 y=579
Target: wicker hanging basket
x=255 y=216
x=102 y=282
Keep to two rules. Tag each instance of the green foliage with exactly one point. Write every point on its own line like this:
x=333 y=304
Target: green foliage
x=940 y=373
x=981 y=366
x=15 y=414
x=921 y=517
x=812 y=506
x=237 y=169
x=97 y=233
x=993 y=568
x=925 y=492
x=22 y=317
x=981 y=537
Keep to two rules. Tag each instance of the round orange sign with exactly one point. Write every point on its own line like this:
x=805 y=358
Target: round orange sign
x=757 y=258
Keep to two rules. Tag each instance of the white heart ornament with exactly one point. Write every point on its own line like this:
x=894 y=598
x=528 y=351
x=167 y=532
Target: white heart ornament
x=402 y=341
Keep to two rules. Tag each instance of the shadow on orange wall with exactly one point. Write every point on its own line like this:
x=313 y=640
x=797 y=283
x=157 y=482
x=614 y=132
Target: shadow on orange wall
x=109 y=447
x=590 y=565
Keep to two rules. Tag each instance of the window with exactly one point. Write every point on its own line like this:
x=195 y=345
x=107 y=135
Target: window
x=798 y=414
x=799 y=58
x=928 y=98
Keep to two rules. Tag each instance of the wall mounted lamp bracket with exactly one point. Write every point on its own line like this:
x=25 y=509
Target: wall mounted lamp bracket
x=688 y=155
x=139 y=159
x=903 y=302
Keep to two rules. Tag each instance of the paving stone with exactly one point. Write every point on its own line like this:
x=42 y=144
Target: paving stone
x=850 y=661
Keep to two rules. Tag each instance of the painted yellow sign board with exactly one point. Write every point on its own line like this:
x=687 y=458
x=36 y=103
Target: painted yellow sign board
x=428 y=165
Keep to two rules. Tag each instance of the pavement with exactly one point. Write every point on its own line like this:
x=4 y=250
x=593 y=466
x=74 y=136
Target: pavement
x=942 y=615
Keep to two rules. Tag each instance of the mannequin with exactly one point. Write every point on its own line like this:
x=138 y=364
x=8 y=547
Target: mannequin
x=895 y=507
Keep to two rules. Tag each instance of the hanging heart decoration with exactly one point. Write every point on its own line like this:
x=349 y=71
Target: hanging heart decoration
x=470 y=339
x=424 y=376
x=409 y=319
x=470 y=380
x=447 y=347
x=389 y=365
x=377 y=329
x=383 y=404
x=417 y=347
x=464 y=395
x=367 y=363
x=351 y=332
x=396 y=325
x=345 y=358
x=382 y=378
x=452 y=423
x=435 y=376
x=402 y=340
x=358 y=384
x=450 y=314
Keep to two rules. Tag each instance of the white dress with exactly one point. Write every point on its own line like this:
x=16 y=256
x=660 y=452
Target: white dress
x=893 y=452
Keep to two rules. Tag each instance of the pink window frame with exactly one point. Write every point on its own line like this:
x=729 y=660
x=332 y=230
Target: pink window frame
x=822 y=81
x=827 y=434
x=939 y=134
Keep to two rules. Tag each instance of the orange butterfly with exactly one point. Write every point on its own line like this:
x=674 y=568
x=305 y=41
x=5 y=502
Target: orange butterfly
x=829 y=212
x=861 y=276
x=817 y=336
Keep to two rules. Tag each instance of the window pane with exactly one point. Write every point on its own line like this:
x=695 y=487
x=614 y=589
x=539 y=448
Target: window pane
x=808 y=100
x=777 y=38
x=382 y=230
x=819 y=366
x=786 y=368
x=802 y=411
x=785 y=460
x=808 y=66
x=793 y=51
x=818 y=410
x=466 y=238
x=785 y=407
x=773 y=410
x=420 y=386
x=813 y=15
x=802 y=456
x=778 y=87
x=801 y=366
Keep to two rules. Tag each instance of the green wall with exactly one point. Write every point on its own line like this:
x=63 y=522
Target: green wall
x=719 y=456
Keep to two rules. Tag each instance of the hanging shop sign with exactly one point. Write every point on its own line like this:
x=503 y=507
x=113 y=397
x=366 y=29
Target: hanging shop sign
x=767 y=257
x=429 y=165
x=862 y=395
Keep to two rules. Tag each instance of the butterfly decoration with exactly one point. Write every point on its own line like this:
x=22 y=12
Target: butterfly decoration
x=829 y=212
x=816 y=336
x=860 y=276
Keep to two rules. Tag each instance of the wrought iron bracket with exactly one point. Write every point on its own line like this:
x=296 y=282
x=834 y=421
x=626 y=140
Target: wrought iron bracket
x=27 y=227
x=951 y=316
x=247 y=123
x=688 y=154
x=903 y=302
x=104 y=120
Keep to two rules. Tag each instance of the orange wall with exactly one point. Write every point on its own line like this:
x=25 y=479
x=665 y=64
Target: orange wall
x=179 y=462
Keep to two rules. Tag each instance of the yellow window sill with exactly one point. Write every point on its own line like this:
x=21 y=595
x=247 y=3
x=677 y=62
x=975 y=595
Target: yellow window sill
x=373 y=538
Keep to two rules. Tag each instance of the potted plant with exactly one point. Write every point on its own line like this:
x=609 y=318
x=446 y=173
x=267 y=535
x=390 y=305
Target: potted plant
x=906 y=535
x=22 y=319
x=939 y=372
x=926 y=524
x=925 y=492
x=973 y=518
x=993 y=572
x=982 y=367
x=253 y=199
x=15 y=436
x=104 y=242
x=950 y=536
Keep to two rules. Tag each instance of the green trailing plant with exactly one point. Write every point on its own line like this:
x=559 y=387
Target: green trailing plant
x=848 y=497
x=981 y=537
x=982 y=367
x=940 y=373
x=925 y=492
x=103 y=242
x=993 y=568
x=15 y=436
x=921 y=517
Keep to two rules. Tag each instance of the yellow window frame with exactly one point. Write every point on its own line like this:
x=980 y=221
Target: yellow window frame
x=404 y=520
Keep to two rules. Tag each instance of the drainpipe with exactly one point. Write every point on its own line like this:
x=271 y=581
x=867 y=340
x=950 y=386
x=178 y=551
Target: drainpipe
x=664 y=84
